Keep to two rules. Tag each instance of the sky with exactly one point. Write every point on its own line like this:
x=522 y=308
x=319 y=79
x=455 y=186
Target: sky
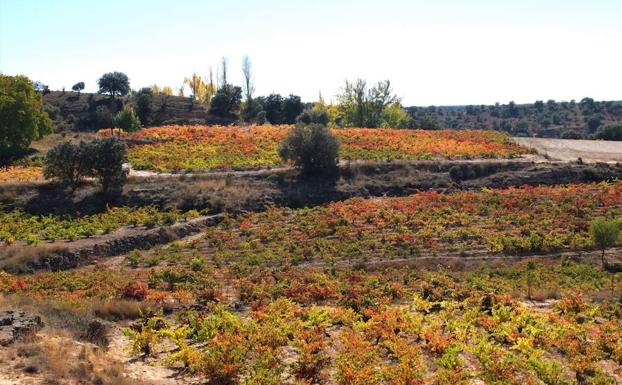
x=437 y=52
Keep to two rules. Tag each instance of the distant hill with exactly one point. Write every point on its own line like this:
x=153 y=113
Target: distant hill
x=71 y=111
x=542 y=119
x=87 y=112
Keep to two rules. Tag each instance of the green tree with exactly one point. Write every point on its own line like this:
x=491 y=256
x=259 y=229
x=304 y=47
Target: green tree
x=65 y=163
x=250 y=110
x=78 y=87
x=127 y=120
x=143 y=100
x=22 y=118
x=394 y=116
x=273 y=105
x=611 y=131
x=227 y=101
x=292 y=107
x=114 y=84
x=314 y=116
x=604 y=234
x=312 y=148
x=363 y=107
x=104 y=160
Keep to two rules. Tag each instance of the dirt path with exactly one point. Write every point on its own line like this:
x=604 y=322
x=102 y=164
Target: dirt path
x=527 y=158
x=570 y=149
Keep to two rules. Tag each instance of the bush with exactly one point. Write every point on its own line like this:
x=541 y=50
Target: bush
x=65 y=163
x=101 y=118
x=571 y=134
x=604 y=234
x=127 y=120
x=104 y=159
x=312 y=148
x=610 y=132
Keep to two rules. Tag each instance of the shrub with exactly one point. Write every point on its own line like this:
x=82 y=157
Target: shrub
x=604 y=234
x=571 y=134
x=127 y=120
x=312 y=148
x=104 y=159
x=65 y=163
x=610 y=132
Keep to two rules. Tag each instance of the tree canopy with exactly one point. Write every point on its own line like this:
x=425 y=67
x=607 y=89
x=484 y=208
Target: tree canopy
x=22 y=118
x=114 y=84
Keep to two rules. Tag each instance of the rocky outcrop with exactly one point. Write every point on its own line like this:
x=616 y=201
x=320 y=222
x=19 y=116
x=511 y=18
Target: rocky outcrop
x=17 y=324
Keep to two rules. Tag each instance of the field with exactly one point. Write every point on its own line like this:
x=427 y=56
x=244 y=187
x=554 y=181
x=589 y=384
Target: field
x=408 y=268
x=298 y=296
x=16 y=225
x=224 y=147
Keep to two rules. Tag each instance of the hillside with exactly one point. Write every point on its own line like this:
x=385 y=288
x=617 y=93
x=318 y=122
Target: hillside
x=87 y=112
x=543 y=119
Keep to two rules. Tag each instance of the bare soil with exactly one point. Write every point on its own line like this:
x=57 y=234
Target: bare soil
x=567 y=150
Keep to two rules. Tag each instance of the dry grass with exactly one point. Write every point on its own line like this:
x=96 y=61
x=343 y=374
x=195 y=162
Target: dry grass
x=18 y=258
x=117 y=310
x=58 y=360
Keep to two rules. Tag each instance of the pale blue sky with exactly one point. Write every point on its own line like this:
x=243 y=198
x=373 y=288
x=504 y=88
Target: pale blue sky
x=435 y=52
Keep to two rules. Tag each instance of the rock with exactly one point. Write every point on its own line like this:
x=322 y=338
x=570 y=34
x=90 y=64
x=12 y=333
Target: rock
x=17 y=324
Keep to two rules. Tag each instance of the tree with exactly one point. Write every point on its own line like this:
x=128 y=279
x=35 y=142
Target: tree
x=127 y=120
x=250 y=110
x=227 y=101
x=604 y=234
x=292 y=107
x=114 y=83
x=312 y=148
x=593 y=122
x=22 y=118
x=313 y=116
x=104 y=159
x=78 y=87
x=611 y=131
x=363 y=107
x=273 y=105
x=394 y=116
x=42 y=88
x=143 y=100
x=249 y=87
x=65 y=163
x=223 y=72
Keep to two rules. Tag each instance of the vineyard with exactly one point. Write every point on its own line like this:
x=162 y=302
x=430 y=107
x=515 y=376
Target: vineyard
x=20 y=174
x=515 y=220
x=16 y=225
x=223 y=147
x=248 y=308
